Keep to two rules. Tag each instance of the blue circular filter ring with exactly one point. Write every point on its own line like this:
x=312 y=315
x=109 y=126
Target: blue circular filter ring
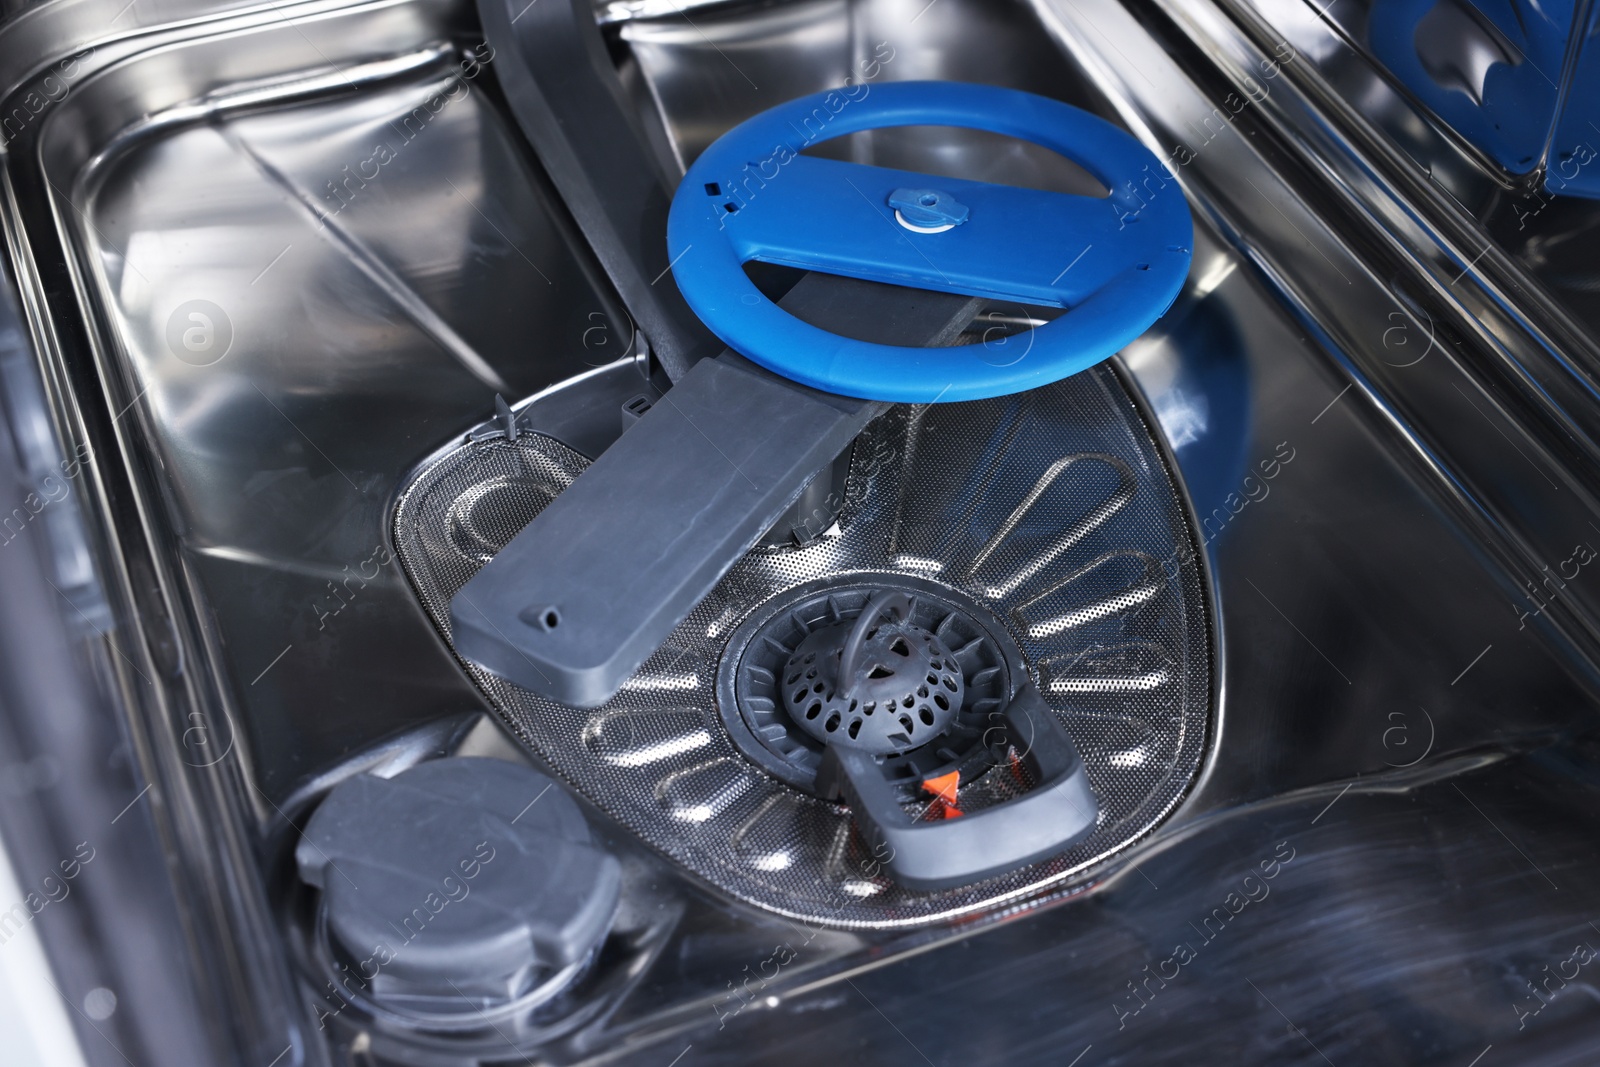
x=1114 y=263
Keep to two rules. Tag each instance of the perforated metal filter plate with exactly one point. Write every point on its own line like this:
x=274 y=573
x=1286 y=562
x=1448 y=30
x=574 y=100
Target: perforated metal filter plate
x=1052 y=509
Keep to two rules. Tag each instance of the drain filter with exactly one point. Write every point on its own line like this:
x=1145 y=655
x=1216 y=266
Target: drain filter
x=921 y=728
x=883 y=685
x=1040 y=522
x=883 y=696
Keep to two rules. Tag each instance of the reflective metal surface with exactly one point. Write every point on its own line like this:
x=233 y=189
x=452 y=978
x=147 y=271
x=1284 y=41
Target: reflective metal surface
x=294 y=317
x=1442 y=242
x=1388 y=444
x=1388 y=924
x=165 y=353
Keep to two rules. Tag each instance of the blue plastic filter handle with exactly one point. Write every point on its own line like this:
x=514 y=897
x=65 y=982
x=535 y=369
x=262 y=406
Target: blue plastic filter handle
x=1115 y=263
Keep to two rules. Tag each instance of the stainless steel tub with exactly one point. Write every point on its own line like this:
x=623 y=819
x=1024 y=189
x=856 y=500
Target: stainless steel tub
x=334 y=190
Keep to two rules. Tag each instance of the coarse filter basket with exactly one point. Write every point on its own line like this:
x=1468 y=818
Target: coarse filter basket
x=1052 y=511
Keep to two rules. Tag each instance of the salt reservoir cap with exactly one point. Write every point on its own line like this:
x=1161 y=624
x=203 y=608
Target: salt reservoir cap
x=456 y=877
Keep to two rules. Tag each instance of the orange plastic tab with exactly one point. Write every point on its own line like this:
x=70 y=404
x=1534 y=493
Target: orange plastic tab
x=944 y=789
x=1016 y=770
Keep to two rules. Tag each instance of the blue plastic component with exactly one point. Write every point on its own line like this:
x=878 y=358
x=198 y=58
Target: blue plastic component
x=1115 y=263
x=928 y=207
x=1573 y=164
x=1489 y=69
x=1493 y=70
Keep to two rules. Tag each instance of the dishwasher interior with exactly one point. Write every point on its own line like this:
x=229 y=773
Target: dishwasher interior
x=1300 y=572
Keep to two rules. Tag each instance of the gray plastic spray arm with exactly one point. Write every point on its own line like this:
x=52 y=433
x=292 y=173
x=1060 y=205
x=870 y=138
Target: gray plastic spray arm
x=600 y=578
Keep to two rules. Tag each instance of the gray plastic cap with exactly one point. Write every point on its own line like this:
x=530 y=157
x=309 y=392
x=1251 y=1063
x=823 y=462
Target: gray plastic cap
x=458 y=876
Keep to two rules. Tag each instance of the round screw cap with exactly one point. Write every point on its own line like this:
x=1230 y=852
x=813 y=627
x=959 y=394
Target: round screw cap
x=457 y=878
